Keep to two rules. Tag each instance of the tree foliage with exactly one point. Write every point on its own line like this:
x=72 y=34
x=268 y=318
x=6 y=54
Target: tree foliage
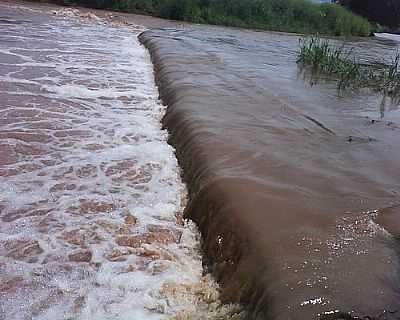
x=384 y=12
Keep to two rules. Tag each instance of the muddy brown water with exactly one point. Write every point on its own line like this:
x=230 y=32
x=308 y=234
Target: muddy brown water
x=295 y=186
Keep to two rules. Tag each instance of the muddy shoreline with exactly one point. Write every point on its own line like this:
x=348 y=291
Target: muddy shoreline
x=288 y=227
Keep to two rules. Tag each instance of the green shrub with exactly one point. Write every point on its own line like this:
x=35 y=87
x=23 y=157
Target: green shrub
x=301 y=16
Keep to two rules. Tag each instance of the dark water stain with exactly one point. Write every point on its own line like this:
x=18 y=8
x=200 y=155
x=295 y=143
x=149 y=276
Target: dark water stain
x=286 y=180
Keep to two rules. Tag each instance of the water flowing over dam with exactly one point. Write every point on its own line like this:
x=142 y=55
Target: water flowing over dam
x=294 y=185
x=90 y=193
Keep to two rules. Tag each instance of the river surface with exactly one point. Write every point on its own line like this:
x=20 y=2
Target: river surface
x=294 y=185
x=90 y=192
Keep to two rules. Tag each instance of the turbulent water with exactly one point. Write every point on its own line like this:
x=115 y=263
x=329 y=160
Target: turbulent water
x=294 y=185
x=90 y=194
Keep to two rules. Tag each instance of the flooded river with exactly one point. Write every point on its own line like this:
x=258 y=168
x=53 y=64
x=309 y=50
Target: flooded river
x=294 y=185
x=90 y=192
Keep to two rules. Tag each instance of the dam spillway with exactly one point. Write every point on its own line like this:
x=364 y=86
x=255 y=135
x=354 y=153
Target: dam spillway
x=294 y=186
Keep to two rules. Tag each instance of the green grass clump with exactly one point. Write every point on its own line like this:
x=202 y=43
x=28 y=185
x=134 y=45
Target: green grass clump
x=322 y=57
x=326 y=59
x=300 y=16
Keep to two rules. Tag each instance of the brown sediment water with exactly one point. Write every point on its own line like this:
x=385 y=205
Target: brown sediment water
x=294 y=185
x=91 y=198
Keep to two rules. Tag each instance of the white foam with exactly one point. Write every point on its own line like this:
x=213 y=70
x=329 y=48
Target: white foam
x=101 y=154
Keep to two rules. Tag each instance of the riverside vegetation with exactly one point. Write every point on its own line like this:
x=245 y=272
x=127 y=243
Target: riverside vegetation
x=301 y=16
x=323 y=57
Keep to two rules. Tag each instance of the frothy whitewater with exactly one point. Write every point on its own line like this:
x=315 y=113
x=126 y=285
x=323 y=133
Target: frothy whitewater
x=90 y=191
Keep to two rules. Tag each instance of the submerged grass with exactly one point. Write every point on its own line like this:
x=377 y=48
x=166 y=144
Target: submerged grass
x=322 y=57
